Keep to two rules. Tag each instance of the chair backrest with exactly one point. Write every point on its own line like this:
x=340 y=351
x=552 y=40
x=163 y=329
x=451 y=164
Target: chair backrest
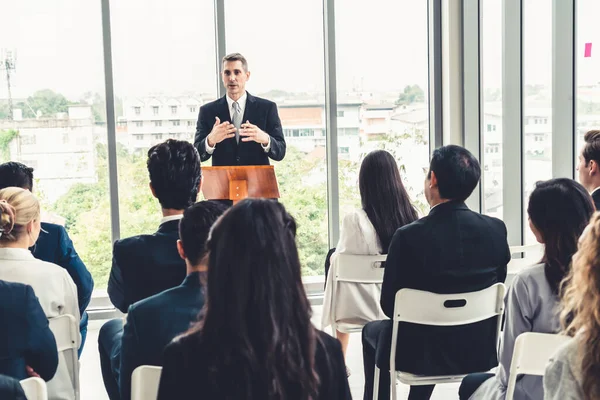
x=144 y=382
x=35 y=389
x=359 y=268
x=426 y=308
x=530 y=356
x=66 y=333
x=528 y=248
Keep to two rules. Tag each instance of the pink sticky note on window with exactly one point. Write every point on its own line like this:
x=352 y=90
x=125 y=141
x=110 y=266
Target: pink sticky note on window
x=588 y=50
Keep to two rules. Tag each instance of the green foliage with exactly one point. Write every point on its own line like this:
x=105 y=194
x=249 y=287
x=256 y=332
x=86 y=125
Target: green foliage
x=5 y=138
x=411 y=94
x=45 y=101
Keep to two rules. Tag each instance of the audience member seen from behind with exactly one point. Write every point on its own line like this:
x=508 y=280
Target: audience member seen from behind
x=559 y=210
x=589 y=165
x=452 y=250
x=26 y=342
x=572 y=373
x=369 y=230
x=145 y=265
x=57 y=294
x=54 y=244
x=143 y=340
x=256 y=324
x=10 y=388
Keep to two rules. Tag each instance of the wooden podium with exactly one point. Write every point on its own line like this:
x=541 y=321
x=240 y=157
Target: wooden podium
x=237 y=183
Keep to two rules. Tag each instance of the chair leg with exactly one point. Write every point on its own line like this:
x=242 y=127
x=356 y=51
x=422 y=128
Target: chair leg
x=376 y=384
x=393 y=383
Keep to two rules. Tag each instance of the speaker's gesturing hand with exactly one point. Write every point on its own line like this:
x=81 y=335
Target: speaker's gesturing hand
x=220 y=132
x=250 y=132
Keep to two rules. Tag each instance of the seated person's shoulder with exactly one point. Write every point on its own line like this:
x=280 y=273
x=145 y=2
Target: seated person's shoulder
x=533 y=273
x=53 y=229
x=153 y=304
x=131 y=244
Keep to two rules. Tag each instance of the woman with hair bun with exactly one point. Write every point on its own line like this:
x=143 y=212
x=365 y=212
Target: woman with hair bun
x=57 y=294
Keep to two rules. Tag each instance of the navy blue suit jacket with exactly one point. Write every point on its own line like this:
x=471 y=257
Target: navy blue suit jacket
x=56 y=247
x=10 y=389
x=25 y=337
x=145 y=265
x=152 y=324
x=260 y=112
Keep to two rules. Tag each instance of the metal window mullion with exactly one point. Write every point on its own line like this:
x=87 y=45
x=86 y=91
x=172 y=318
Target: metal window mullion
x=434 y=22
x=331 y=122
x=472 y=107
x=564 y=132
x=113 y=183
x=220 y=42
x=512 y=121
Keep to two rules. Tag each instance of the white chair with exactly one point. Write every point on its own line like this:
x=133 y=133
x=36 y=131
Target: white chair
x=530 y=356
x=426 y=308
x=35 y=389
x=66 y=333
x=362 y=269
x=144 y=382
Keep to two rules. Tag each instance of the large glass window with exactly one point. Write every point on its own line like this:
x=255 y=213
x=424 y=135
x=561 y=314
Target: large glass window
x=588 y=68
x=58 y=123
x=491 y=129
x=382 y=78
x=286 y=61
x=164 y=69
x=537 y=97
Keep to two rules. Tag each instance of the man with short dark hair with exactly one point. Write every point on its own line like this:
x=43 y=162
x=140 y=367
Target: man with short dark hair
x=589 y=165
x=238 y=128
x=54 y=244
x=452 y=250
x=145 y=265
x=152 y=323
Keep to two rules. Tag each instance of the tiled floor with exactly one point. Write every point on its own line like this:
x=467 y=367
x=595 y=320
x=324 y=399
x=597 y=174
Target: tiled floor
x=92 y=387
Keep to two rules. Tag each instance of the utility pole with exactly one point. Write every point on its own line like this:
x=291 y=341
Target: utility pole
x=8 y=60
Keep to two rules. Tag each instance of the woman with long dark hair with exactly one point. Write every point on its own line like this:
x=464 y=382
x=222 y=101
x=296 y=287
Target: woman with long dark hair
x=255 y=340
x=369 y=230
x=573 y=371
x=559 y=210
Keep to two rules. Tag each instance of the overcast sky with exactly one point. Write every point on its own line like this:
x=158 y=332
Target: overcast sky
x=168 y=45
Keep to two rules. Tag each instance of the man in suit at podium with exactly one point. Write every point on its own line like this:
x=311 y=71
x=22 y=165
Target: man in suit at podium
x=238 y=128
x=589 y=165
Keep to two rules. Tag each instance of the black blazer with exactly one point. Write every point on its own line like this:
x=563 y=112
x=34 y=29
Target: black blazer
x=145 y=265
x=260 y=112
x=25 y=337
x=144 y=340
x=596 y=199
x=452 y=250
x=185 y=373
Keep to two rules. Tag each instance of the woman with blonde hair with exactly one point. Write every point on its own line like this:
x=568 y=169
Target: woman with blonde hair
x=574 y=371
x=57 y=294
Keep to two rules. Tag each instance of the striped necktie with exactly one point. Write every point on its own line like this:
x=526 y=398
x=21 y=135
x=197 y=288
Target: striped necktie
x=237 y=119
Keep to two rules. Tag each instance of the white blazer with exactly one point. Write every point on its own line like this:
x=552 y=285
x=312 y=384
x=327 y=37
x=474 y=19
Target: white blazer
x=57 y=295
x=356 y=302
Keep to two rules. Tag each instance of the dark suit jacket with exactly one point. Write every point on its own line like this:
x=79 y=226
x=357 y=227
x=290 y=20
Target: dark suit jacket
x=145 y=265
x=56 y=247
x=25 y=337
x=260 y=112
x=152 y=324
x=596 y=198
x=452 y=250
x=185 y=370
x=10 y=389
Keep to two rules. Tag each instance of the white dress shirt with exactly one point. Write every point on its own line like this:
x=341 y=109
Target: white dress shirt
x=171 y=218
x=57 y=295
x=242 y=103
